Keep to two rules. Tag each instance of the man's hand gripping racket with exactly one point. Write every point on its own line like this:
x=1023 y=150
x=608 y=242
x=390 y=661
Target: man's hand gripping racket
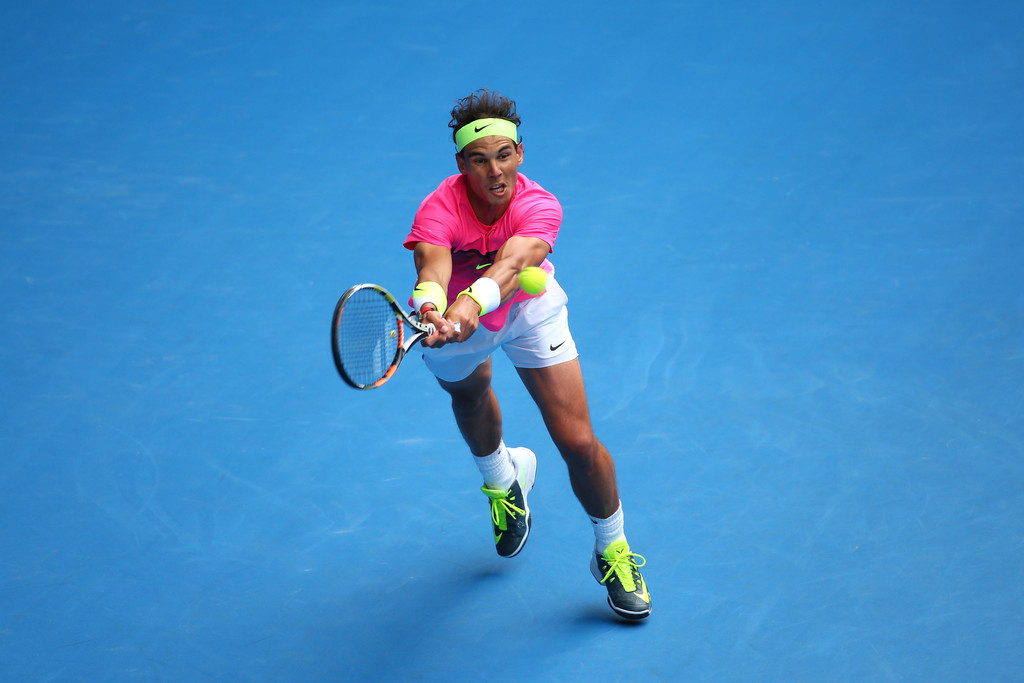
x=370 y=335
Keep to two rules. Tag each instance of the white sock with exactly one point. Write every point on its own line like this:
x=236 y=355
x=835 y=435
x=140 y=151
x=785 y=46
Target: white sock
x=607 y=531
x=497 y=468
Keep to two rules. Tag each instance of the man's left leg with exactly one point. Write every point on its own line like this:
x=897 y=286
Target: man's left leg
x=559 y=392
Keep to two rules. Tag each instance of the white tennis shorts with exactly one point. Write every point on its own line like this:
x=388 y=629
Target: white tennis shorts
x=536 y=335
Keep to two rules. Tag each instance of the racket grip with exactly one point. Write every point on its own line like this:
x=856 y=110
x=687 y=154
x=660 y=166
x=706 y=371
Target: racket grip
x=431 y=329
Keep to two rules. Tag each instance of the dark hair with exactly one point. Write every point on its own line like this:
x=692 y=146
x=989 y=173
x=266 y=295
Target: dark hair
x=482 y=104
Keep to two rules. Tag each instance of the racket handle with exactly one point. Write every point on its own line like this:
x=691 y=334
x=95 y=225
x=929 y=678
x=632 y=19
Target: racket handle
x=431 y=329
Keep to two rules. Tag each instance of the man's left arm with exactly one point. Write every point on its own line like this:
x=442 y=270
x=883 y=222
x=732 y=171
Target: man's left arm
x=517 y=253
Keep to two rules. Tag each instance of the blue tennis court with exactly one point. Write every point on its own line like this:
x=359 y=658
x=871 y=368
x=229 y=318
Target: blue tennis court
x=792 y=244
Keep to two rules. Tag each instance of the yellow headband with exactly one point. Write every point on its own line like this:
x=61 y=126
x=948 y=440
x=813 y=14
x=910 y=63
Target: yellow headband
x=481 y=128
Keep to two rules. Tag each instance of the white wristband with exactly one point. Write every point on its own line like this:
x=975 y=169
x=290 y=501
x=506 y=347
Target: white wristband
x=486 y=293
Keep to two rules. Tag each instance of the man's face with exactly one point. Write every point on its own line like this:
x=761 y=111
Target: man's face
x=491 y=166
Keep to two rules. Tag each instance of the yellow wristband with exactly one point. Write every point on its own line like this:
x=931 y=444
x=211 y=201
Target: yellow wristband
x=429 y=293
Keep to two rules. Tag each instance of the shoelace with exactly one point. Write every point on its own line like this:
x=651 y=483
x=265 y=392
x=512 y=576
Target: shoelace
x=622 y=565
x=501 y=507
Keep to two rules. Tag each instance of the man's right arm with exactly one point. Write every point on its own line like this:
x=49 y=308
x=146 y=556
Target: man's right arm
x=434 y=264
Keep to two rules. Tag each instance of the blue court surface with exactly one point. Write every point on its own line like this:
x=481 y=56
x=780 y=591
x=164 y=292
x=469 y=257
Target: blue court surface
x=792 y=242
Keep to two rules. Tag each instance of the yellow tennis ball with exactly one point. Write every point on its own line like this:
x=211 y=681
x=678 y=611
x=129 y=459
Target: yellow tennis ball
x=533 y=280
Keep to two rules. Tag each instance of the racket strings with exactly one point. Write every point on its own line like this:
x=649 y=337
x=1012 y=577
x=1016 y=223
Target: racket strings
x=369 y=335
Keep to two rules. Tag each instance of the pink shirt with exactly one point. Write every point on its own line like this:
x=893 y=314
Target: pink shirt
x=446 y=218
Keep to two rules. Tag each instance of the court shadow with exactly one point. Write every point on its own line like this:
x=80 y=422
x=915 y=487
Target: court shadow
x=420 y=618
x=430 y=619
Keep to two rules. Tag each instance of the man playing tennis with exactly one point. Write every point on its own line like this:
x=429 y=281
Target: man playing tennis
x=471 y=237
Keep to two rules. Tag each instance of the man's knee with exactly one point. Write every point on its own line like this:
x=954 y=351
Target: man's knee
x=472 y=391
x=577 y=444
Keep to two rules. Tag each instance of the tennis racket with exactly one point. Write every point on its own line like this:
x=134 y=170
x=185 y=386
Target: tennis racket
x=371 y=334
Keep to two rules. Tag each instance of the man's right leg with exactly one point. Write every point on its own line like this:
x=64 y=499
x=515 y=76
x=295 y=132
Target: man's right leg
x=508 y=473
x=476 y=409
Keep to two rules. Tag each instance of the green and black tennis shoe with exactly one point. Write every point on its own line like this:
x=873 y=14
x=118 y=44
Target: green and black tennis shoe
x=510 y=514
x=618 y=570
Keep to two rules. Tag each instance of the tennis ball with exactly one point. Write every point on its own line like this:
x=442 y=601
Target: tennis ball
x=533 y=280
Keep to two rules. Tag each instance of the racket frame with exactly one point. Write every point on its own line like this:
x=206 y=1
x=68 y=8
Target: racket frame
x=405 y=341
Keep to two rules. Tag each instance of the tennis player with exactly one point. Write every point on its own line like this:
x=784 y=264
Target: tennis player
x=471 y=237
